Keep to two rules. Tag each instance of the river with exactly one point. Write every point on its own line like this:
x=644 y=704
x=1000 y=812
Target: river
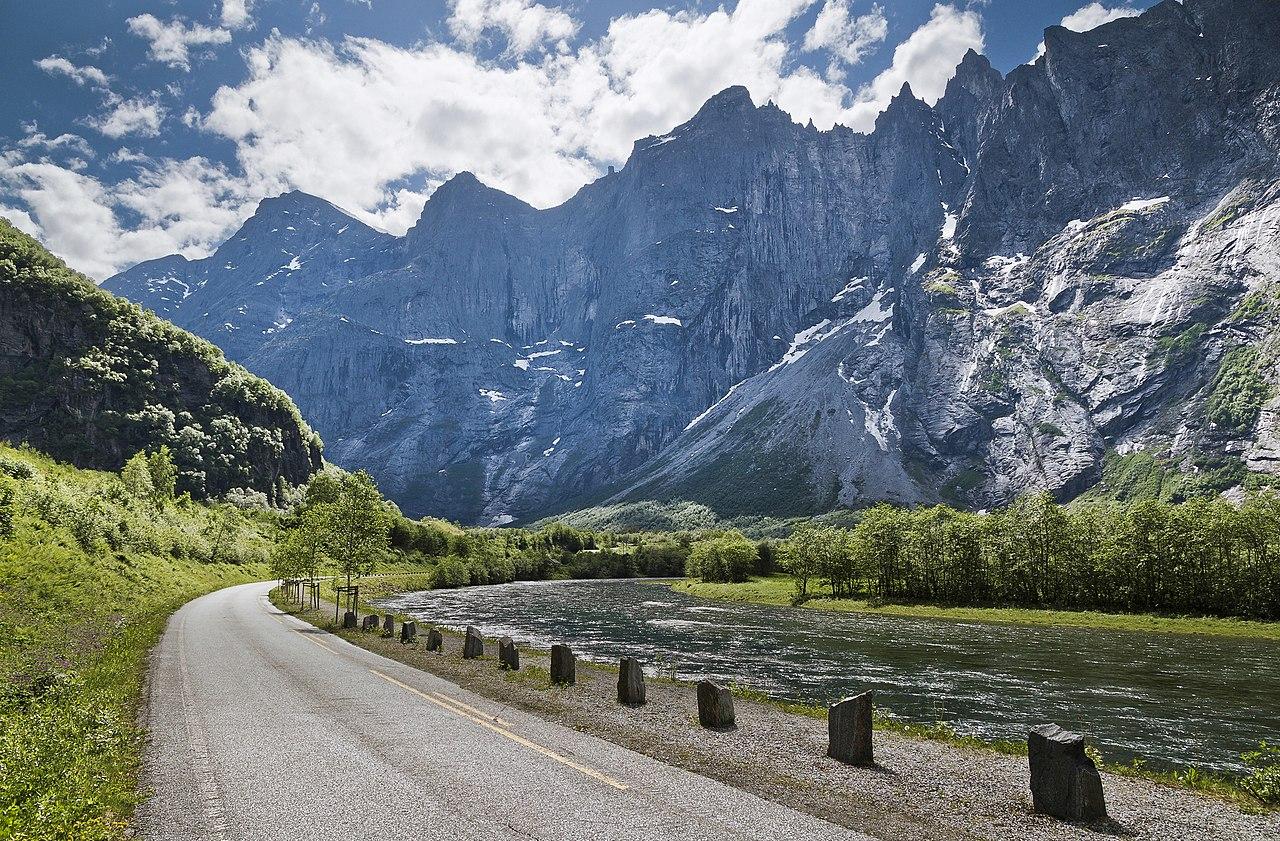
x=1171 y=699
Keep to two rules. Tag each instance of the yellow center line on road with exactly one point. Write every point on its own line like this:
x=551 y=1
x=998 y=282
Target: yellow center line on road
x=476 y=716
x=448 y=704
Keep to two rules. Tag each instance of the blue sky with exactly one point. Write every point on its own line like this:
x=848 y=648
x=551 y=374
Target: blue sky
x=131 y=129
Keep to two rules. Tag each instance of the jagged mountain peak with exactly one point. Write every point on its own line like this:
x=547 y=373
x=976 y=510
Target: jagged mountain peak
x=950 y=307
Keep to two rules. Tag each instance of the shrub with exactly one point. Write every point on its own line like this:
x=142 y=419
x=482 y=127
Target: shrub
x=449 y=573
x=1263 y=781
x=730 y=558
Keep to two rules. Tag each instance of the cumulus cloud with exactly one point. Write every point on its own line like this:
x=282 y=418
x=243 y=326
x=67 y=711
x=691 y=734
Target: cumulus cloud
x=174 y=207
x=536 y=129
x=56 y=65
x=171 y=41
x=36 y=139
x=846 y=37
x=141 y=116
x=926 y=60
x=526 y=25
x=376 y=127
x=1092 y=16
x=235 y=13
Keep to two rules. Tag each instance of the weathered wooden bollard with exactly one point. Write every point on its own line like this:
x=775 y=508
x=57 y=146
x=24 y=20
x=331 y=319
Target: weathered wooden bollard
x=472 y=644
x=409 y=632
x=630 y=682
x=508 y=654
x=389 y=626
x=715 y=706
x=369 y=623
x=435 y=640
x=849 y=730
x=348 y=620
x=1064 y=781
x=563 y=666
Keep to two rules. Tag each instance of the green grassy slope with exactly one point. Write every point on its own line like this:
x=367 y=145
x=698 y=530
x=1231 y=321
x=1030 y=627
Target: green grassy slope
x=88 y=576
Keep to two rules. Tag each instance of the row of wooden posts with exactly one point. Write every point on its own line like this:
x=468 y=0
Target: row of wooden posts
x=1065 y=783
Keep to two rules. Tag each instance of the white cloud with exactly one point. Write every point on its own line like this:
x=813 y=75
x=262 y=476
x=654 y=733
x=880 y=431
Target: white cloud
x=175 y=207
x=235 y=13
x=847 y=38
x=140 y=116
x=87 y=75
x=526 y=25
x=376 y=127
x=39 y=140
x=536 y=129
x=171 y=41
x=1092 y=16
x=927 y=60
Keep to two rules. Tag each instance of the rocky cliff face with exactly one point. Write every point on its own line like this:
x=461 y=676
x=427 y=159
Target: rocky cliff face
x=1019 y=288
x=93 y=379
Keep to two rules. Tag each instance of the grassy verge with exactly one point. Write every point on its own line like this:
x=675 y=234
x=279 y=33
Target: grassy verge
x=779 y=590
x=88 y=579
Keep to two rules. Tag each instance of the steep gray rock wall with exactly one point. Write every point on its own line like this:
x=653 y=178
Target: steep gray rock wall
x=989 y=296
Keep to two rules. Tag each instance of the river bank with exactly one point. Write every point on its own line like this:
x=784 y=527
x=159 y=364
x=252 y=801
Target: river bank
x=920 y=788
x=779 y=590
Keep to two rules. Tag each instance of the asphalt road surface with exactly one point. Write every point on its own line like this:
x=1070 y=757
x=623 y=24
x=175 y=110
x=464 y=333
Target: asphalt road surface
x=263 y=727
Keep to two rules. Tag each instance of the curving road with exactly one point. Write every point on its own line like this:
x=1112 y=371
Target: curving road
x=263 y=727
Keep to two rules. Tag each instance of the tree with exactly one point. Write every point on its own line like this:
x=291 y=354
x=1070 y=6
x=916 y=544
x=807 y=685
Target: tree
x=6 y=506
x=355 y=526
x=730 y=557
x=221 y=532
x=136 y=475
x=164 y=476
x=301 y=552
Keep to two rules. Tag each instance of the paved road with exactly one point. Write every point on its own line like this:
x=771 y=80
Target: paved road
x=263 y=727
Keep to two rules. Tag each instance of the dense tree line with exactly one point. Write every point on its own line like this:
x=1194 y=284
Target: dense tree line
x=1205 y=556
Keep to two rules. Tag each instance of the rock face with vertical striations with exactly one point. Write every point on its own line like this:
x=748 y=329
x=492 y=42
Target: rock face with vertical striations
x=1045 y=280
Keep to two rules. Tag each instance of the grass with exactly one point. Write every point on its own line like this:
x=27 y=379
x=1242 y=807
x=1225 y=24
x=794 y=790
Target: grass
x=81 y=604
x=780 y=590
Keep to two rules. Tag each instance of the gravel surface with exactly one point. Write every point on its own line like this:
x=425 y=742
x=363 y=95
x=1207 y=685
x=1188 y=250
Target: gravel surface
x=918 y=789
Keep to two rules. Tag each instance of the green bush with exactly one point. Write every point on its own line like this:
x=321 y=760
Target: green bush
x=450 y=573
x=1263 y=780
x=730 y=558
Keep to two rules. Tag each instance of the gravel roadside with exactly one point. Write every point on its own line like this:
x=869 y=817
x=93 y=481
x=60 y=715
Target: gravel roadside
x=918 y=790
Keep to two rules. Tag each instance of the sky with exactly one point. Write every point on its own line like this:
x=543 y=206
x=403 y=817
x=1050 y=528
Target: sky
x=134 y=129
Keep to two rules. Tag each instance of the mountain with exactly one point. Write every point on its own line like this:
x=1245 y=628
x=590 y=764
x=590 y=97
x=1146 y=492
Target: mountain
x=91 y=379
x=1063 y=278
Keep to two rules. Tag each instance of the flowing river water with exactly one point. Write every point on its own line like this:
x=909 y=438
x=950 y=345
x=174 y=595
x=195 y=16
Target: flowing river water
x=1171 y=699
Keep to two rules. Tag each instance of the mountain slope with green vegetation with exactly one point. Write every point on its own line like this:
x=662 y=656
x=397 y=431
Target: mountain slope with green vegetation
x=91 y=566
x=93 y=379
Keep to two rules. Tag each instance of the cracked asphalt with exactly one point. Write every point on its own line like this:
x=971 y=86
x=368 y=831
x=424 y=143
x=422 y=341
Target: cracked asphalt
x=263 y=727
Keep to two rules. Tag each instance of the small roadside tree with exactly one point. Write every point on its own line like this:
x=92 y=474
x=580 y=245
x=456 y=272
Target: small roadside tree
x=355 y=526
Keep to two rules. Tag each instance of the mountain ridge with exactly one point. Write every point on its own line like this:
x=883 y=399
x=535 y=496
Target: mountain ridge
x=897 y=314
